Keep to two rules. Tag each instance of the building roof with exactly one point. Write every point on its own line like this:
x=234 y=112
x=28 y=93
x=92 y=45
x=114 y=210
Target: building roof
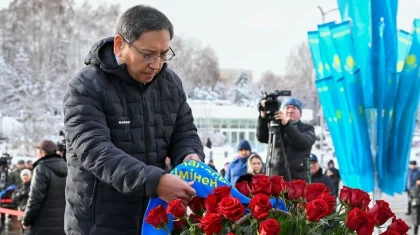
x=225 y=110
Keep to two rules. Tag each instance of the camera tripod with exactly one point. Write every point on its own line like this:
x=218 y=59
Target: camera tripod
x=273 y=127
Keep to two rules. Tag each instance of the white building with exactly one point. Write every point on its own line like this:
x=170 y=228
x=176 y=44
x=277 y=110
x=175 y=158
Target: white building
x=234 y=122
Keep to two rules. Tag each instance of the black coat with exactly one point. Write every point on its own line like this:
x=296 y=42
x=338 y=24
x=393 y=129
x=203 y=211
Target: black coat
x=118 y=135
x=21 y=194
x=45 y=208
x=298 y=140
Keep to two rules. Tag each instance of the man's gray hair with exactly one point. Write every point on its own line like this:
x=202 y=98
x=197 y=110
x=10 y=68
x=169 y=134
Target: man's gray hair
x=138 y=19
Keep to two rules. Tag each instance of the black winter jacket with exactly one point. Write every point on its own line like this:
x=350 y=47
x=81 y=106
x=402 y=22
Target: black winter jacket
x=298 y=140
x=118 y=134
x=45 y=208
x=21 y=194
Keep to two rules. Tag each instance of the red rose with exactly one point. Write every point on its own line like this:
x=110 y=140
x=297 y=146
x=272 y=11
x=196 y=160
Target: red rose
x=210 y=203
x=360 y=221
x=243 y=188
x=345 y=194
x=196 y=205
x=261 y=184
x=278 y=185
x=176 y=208
x=211 y=223
x=381 y=212
x=230 y=234
x=390 y=232
x=359 y=199
x=180 y=224
x=316 y=210
x=231 y=208
x=260 y=206
x=295 y=189
x=398 y=225
x=330 y=200
x=222 y=192
x=367 y=226
x=157 y=217
x=270 y=227
x=195 y=219
x=312 y=191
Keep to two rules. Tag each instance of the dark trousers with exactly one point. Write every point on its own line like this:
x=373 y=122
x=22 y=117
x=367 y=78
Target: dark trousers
x=409 y=204
x=416 y=229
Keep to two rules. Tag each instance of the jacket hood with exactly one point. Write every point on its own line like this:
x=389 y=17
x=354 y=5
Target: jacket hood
x=102 y=55
x=55 y=163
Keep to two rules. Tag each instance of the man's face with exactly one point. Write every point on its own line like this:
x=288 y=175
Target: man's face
x=292 y=112
x=29 y=165
x=134 y=54
x=243 y=153
x=21 y=166
x=413 y=166
x=314 y=167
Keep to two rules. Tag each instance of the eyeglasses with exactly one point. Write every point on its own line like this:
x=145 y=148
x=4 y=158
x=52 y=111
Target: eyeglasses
x=150 y=58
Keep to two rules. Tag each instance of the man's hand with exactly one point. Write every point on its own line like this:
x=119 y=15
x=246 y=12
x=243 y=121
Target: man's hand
x=279 y=115
x=263 y=113
x=172 y=187
x=26 y=227
x=192 y=156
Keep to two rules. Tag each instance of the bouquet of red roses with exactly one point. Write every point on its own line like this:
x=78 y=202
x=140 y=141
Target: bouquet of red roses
x=311 y=210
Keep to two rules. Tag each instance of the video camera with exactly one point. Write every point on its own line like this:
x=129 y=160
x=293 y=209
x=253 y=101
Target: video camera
x=5 y=160
x=272 y=104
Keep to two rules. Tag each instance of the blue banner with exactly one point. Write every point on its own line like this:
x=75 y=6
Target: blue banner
x=359 y=13
x=323 y=74
x=205 y=180
x=336 y=89
x=343 y=42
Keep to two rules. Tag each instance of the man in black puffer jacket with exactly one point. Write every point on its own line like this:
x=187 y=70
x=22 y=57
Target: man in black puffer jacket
x=298 y=138
x=44 y=212
x=125 y=112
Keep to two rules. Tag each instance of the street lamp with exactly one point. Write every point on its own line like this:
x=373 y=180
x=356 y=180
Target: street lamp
x=321 y=115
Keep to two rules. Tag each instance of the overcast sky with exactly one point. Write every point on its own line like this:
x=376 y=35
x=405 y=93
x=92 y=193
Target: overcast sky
x=249 y=34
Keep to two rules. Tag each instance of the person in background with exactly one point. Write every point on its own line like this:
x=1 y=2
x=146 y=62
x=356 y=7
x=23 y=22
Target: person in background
x=29 y=165
x=413 y=174
x=15 y=175
x=21 y=194
x=223 y=171
x=44 y=213
x=414 y=195
x=239 y=165
x=334 y=174
x=318 y=177
x=208 y=144
x=255 y=165
x=211 y=165
x=298 y=138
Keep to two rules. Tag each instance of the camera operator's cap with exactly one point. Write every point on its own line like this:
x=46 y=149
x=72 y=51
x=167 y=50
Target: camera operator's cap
x=413 y=162
x=313 y=158
x=295 y=102
x=48 y=146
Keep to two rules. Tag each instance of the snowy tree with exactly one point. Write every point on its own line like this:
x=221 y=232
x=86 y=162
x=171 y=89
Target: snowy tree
x=242 y=93
x=196 y=65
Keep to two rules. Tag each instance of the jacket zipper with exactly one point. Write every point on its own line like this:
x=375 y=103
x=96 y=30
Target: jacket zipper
x=145 y=126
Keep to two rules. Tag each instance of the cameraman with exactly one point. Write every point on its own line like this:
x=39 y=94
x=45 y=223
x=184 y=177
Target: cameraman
x=298 y=139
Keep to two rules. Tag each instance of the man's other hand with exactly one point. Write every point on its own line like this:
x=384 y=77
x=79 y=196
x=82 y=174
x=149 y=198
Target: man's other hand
x=193 y=156
x=172 y=187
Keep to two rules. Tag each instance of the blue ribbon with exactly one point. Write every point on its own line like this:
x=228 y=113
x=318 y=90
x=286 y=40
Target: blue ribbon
x=205 y=180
